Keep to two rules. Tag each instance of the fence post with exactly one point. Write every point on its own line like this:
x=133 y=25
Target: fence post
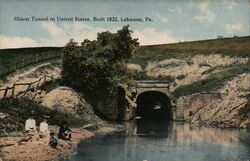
x=38 y=83
x=13 y=90
x=44 y=78
x=27 y=90
x=5 y=92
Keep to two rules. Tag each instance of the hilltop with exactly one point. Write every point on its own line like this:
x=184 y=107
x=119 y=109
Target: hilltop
x=10 y=55
x=237 y=46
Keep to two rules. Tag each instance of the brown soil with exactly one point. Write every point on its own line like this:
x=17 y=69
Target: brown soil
x=39 y=150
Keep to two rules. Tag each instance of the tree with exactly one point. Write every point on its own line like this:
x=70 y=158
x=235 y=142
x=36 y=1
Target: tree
x=99 y=65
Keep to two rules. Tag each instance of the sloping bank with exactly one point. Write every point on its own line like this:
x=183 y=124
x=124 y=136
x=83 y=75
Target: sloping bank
x=61 y=103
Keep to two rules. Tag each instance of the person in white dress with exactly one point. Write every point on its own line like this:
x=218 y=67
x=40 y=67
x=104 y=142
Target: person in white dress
x=30 y=128
x=30 y=125
x=43 y=129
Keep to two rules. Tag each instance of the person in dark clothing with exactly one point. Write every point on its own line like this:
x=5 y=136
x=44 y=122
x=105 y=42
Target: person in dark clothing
x=53 y=142
x=64 y=132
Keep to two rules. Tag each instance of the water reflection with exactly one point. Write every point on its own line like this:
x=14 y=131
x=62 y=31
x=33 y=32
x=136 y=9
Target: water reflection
x=167 y=141
x=187 y=133
x=158 y=128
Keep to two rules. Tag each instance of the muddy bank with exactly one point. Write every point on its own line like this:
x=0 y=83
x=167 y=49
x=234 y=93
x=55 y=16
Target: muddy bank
x=39 y=150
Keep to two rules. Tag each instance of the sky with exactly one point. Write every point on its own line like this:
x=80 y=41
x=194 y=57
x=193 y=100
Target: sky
x=172 y=21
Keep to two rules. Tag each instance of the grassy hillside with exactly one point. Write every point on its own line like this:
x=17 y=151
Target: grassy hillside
x=13 y=59
x=238 y=46
x=10 y=55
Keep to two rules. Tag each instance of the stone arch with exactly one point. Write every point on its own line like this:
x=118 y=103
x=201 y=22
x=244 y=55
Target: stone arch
x=141 y=90
x=154 y=104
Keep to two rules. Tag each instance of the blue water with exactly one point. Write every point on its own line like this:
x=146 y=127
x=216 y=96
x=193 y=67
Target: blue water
x=166 y=141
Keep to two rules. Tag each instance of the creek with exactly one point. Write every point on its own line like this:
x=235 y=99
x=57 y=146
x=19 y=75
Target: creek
x=166 y=141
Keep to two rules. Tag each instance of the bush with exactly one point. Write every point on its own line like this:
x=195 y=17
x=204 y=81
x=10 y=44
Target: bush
x=180 y=77
x=99 y=65
x=140 y=75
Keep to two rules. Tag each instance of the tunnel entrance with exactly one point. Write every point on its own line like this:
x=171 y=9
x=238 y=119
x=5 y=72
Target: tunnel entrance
x=153 y=105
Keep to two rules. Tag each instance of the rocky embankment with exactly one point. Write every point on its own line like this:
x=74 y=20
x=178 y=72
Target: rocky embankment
x=191 y=69
x=227 y=105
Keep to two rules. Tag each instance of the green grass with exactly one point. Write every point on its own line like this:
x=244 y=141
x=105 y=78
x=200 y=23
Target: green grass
x=238 y=46
x=9 y=55
x=12 y=59
x=18 y=110
x=213 y=82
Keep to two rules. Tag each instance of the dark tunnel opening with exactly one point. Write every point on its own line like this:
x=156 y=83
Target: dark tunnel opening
x=153 y=106
x=153 y=114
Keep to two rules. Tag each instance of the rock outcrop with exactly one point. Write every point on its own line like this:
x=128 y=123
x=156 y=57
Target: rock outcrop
x=190 y=69
x=226 y=107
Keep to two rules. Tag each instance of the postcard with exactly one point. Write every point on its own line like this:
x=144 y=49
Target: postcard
x=114 y=80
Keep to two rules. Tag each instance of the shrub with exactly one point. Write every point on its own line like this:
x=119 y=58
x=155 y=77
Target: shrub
x=180 y=77
x=99 y=65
